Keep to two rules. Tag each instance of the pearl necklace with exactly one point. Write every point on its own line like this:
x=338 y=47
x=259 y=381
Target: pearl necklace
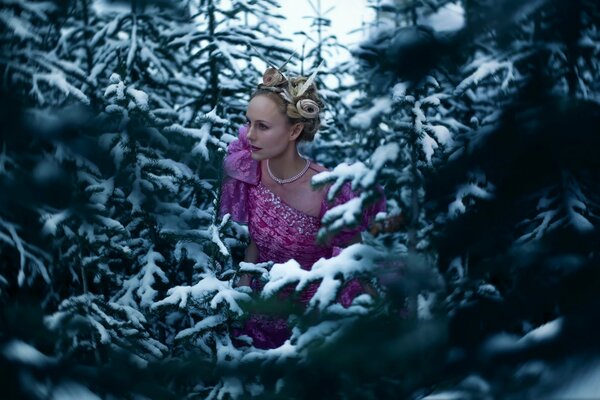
x=288 y=180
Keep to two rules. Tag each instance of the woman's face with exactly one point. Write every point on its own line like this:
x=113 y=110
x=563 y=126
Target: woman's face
x=269 y=130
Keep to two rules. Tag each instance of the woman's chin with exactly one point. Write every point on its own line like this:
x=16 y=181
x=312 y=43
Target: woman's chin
x=256 y=156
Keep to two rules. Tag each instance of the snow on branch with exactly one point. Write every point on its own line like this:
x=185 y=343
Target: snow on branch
x=209 y=322
x=58 y=80
x=53 y=220
x=40 y=9
x=20 y=27
x=19 y=351
x=133 y=43
x=485 y=70
x=469 y=190
x=26 y=251
x=344 y=215
x=203 y=135
x=261 y=269
x=141 y=283
x=354 y=260
x=364 y=118
x=360 y=176
x=113 y=325
x=209 y=287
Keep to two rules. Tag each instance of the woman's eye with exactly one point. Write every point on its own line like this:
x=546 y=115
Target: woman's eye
x=263 y=127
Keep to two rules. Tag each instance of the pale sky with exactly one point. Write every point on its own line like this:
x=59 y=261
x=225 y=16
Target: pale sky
x=345 y=16
x=350 y=15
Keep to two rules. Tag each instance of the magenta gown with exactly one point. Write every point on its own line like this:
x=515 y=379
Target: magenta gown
x=281 y=233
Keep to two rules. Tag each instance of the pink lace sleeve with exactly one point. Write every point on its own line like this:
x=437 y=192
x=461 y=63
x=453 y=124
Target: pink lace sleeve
x=241 y=171
x=343 y=238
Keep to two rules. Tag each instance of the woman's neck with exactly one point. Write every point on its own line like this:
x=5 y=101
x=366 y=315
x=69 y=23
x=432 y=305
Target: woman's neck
x=287 y=164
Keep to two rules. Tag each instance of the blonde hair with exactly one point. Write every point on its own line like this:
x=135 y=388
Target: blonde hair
x=290 y=109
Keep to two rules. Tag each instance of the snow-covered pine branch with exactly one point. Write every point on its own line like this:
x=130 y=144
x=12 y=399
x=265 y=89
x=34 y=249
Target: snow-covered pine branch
x=354 y=261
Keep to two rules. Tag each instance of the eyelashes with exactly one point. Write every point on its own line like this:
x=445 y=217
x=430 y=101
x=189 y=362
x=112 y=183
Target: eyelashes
x=260 y=125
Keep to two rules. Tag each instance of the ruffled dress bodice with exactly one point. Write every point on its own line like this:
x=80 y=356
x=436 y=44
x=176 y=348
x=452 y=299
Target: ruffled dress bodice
x=280 y=231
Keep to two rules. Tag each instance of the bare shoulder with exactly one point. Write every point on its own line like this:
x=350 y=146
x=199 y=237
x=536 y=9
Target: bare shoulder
x=317 y=167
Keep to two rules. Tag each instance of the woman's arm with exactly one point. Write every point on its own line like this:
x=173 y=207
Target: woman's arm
x=251 y=256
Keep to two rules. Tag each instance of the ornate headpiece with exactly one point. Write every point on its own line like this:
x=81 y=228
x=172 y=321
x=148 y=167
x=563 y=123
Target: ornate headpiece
x=292 y=92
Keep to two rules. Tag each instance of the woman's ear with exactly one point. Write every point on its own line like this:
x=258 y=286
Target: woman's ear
x=296 y=130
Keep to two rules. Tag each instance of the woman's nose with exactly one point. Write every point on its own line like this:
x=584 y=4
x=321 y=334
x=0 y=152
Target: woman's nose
x=250 y=134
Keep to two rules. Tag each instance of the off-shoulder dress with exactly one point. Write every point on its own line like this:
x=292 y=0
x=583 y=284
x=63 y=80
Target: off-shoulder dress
x=281 y=232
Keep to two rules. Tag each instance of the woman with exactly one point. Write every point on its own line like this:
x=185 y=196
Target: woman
x=268 y=187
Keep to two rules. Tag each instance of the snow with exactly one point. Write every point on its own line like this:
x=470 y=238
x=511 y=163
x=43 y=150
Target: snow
x=203 y=134
x=111 y=223
x=226 y=50
x=228 y=388
x=446 y=395
x=344 y=215
x=258 y=268
x=326 y=331
x=341 y=174
x=148 y=272
x=20 y=27
x=39 y=9
x=364 y=118
x=17 y=350
x=51 y=221
x=147 y=54
x=585 y=385
x=195 y=251
x=57 y=79
x=132 y=315
x=26 y=252
x=140 y=99
x=429 y=145
x=543 y=332
x=72 y=391
x=504 y=342
x=202 y=291
x=399 y=91
x=425 y=302
x=206 y=323
x=215 y=233
x=133 y=43
x=488 y=290
x=419 y=118
x=450 y=17
x=485 y=70
x=214 y=118
x=387 y=153
x=352 y=261
x=456 y=267
x=442 y=134
x=471 y=189
x=581 y=223
x=101 y=330
x=576 y=205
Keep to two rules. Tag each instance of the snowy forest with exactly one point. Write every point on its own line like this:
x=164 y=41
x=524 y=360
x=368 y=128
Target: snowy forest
x=116 y=272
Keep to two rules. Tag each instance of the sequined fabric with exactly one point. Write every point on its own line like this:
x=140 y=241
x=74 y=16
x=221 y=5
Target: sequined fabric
x=281 y=233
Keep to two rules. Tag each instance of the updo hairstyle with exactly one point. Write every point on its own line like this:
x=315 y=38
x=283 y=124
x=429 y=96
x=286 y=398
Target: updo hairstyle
x=300 y=106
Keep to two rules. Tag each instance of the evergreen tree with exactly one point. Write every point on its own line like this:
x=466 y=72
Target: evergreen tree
x=527 y=201
x=141 y=220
